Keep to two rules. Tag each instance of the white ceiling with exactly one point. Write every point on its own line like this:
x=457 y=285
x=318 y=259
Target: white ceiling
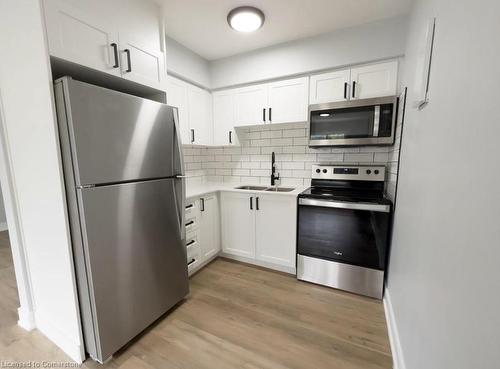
x=201 y=25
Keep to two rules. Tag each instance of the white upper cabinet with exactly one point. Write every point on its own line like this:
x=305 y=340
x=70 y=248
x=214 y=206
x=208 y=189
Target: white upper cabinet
x=330 y=87
x=119 y=37
x=177 y=95
x=250 y=104
x=200 y=116
x=288 y=100
x=374 y=80
x=141 y=64
x=223 y=109
x=194 y=105
x=276 y=102
x=82 y=36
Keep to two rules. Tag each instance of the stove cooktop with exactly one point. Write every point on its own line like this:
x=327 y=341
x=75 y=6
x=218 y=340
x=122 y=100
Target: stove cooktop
x=344 y=195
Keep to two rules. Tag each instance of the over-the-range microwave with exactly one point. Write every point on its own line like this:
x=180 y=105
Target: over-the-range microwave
x=353 y=123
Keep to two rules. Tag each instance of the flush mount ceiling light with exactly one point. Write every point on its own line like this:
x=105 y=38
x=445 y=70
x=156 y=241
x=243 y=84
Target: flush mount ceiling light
x=245 y=19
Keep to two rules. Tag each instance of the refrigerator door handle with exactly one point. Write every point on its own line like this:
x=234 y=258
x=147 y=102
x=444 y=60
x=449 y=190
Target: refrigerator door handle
x=180 y=193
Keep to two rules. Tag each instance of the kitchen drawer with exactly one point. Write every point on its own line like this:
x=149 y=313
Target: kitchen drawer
x=192 y=224
x=192 y=208
x=192 y=239
x=194 y=257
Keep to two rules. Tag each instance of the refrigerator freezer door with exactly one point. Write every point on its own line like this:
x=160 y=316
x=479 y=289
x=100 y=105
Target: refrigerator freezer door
x=115 y=137
x=135 y=259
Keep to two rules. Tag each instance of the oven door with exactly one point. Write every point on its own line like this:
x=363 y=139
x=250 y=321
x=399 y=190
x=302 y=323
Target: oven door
x=359 y=122
x=352 y=233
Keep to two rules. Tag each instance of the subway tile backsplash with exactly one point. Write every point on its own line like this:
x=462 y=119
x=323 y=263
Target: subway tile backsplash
x=251 y=162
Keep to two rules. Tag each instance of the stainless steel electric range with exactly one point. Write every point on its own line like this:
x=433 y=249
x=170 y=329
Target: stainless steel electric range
x=343 y=229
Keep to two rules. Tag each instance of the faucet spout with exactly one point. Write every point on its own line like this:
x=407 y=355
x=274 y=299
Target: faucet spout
x=274 y=176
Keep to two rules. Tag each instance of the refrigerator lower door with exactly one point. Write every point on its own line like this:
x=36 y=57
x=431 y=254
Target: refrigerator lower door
x=135 y=259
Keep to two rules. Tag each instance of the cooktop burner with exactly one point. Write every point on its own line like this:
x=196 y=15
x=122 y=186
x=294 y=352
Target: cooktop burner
x=344 y=195
x=347 y=183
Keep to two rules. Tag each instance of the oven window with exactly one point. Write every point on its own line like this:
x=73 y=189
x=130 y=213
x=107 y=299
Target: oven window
x=357 y=237
x=342 y=123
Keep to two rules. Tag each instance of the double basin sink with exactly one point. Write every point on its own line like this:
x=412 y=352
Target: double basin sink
x=264 y=188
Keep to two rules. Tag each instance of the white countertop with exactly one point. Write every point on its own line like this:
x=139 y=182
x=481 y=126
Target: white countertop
x=199 y=189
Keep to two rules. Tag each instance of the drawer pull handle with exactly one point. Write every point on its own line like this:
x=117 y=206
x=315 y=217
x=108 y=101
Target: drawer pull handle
x=189 y=206
x=189 y=223
x=191 y=261
x=190 y=243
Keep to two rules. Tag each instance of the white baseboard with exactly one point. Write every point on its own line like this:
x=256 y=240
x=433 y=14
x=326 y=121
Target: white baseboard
x=73 y=349
x=280 y=268
x=3 y=226
x=396 y=349
x=26 y=319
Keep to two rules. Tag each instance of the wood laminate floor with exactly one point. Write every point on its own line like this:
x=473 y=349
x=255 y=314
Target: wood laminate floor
x=236 y=316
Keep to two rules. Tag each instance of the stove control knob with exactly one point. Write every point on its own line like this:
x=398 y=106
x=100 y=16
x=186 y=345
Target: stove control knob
x=324 y=171
x=318 y=171
x=368 y=171
x=376 y=171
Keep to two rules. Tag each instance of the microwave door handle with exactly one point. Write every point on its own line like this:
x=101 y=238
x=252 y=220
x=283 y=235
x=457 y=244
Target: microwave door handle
x=376 y=120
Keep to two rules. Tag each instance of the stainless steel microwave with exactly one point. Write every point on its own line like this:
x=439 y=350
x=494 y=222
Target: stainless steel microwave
x=353 y=123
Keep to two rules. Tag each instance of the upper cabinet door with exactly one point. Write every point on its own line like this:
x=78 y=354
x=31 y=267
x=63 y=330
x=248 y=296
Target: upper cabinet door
x=81 y=36
x=177 y=95
x=330 y=87
x=251 y=105
x=374 y=80
x=288 y=100
x=142 y=64
x=200 y=116
x=223 y=108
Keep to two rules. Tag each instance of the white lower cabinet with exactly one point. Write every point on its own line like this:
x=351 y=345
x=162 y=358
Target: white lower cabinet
x=202 y=231
x=259 y=228
x=275 y=223
x=238 y=224
x=209 y=226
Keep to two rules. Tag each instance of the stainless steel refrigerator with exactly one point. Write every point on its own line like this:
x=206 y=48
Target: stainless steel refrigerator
x=123 y=170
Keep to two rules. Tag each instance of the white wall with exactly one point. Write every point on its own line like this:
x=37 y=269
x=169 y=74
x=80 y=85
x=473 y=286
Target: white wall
x=184 y=63
x=33 y=157
x=3 y=218
x=444 y=278
x=374 y=41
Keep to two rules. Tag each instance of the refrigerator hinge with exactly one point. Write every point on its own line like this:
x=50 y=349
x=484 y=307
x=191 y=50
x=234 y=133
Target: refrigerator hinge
x=85 y=186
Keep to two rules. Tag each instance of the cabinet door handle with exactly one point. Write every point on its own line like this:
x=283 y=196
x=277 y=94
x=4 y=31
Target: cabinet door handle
x=264 y=114
x=345 y=90
x=115 y=52
x=129 y=62
x=270 y=116
x=257 y=203
x=192 y=135
x=202 y=200
x=230 y=137
x=353 y=89
x=251 y=203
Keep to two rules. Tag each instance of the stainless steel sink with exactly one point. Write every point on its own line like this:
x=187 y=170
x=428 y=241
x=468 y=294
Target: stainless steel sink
x=265 y=188
x=279 y=189
x=252 y=188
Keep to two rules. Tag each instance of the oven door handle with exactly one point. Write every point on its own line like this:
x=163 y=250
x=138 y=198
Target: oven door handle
x=346 y=205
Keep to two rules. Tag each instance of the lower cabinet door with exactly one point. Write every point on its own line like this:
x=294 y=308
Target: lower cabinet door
x=276 y=218
x=209 y=226
x=238 y=224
